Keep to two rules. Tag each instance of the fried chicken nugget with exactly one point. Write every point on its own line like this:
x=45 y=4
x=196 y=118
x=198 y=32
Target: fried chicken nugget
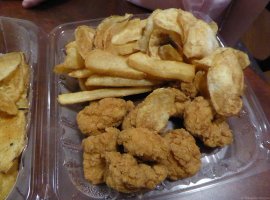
x=144 y=143
x=124 y=174
x=154 y=112
x=184 y=157
x=199 y=120
x=108 y=112
x=94 y=148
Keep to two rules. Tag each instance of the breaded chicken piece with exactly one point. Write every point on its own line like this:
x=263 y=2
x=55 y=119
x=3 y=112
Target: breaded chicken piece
x=144 y=143
x=94 y=148
x=184 y=157
x=124 y=174
x=199 y=120
x=108 y=112
x=154 y=112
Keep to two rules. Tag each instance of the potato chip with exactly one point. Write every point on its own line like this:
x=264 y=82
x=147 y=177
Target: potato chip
x=162 y=69
x=111 y=31
x=13 y=86
x=80 y=73
x=199 y=40
x=84 y=37
x=6 y=105
x=104 y=25
x=144 y=40
x=208 y=61
x=168 y=52
x=8 y=64
x=73 y=60
x=157 y=38
x=132 y=32
x=7 y=180
x=12 y=139
x=225 y=80
x=79 y=97
x=167 y=20
x=105 y=63
x=109 y=81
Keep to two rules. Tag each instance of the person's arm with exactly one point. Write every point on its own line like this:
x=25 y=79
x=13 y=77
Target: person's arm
x=31 y=3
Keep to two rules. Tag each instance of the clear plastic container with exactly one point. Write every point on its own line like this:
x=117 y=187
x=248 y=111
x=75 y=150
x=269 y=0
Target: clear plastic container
x=51 y=165
x=21 y=35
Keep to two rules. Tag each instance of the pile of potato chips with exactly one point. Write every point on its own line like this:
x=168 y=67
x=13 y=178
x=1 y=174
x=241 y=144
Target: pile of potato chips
x=14 y=83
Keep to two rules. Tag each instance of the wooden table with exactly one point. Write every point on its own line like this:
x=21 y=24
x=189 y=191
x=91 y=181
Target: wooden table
x=53 y=13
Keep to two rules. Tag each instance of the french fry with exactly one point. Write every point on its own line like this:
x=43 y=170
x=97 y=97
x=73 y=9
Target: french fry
x=162 y=69
x=124 y=49
x=105 y=63
x=80 y=73
x=109 y=81
x=79 y=97
x=167 y=52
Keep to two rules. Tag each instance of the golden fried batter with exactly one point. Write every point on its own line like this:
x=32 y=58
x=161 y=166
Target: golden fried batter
x=108 y=112
x=94 y=151
x=154 y=112
x=124 y=174
x=184 y=158
x=144 y=143
x=199 y=120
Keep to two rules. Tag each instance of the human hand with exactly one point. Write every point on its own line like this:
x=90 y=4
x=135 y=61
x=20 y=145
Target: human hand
x=31 y=3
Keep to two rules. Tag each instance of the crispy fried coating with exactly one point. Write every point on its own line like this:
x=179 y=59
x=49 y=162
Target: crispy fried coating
x=154 y=112
x=94 y=148
x=108 y=112
x=144 y=143
x=124 y=174
x=184 y=157
x=199 y=120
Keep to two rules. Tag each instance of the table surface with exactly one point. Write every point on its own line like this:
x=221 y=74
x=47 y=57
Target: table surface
x=56 y=12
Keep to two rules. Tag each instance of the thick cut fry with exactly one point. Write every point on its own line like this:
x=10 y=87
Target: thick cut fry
x=124 y=49
x=84 y=37
x=109 y=81
x=162 y=68
x=131 y=32
x=167 y=52
x=105 y=63
x=84 y=96
x=80 y=73
x=8 y=64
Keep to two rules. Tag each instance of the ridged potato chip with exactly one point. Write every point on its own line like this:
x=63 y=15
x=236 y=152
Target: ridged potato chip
x=8 y=64
x=12 y=139
x=7 y=180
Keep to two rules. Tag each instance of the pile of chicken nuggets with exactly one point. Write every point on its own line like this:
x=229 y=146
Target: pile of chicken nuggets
x=177 y=59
